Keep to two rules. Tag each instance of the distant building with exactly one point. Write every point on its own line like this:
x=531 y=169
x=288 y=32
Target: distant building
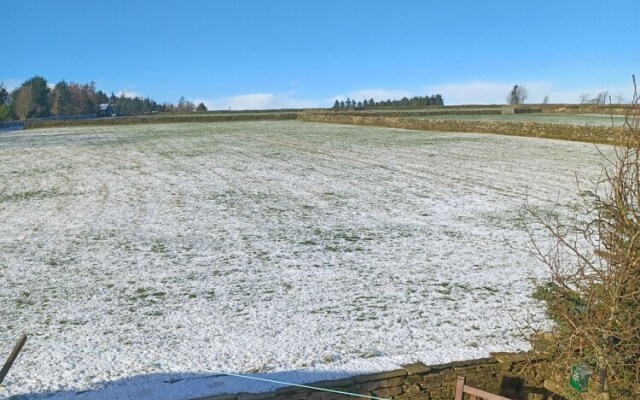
x=107 y=110
x=506 y=110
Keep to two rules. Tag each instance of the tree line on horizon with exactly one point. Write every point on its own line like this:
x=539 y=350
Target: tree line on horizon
x=405 y=102
x=36 y=99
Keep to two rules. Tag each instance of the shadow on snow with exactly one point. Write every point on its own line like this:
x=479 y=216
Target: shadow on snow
x=183 y=386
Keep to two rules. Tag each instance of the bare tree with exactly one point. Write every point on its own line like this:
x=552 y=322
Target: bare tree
x=517 y=95
x=23 y=101
x=601 y=98
x=593 y=292
x=545 y=100
x=185 y=106
x=584 y=98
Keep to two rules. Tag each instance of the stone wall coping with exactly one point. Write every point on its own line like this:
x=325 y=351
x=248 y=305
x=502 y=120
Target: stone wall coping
x=416 y=368
x=455 y=365
x=380 y=376
x=504 y=357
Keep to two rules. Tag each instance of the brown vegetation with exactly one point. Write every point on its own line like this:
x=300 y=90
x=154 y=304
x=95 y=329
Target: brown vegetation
x=593 y=293
x=592 y=134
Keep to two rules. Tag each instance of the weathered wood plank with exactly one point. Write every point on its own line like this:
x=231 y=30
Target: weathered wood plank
x=12 y=357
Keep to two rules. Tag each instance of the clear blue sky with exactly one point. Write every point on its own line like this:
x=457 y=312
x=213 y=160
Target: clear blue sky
x=281 y=53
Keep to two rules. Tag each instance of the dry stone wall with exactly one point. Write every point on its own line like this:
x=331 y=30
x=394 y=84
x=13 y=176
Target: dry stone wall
x=161 y=119
x=592 y=134
x=513 y=375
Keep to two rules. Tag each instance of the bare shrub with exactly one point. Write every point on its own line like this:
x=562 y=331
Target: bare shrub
x=593 y=292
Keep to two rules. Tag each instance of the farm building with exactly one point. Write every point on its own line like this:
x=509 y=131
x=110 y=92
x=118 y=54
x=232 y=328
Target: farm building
x=107 y=110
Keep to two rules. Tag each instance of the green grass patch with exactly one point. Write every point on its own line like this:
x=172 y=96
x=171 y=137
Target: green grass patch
x=28 y=195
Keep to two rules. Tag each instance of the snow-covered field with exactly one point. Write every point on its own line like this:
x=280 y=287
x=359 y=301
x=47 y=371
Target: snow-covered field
x=543 y=118
x=141 y=260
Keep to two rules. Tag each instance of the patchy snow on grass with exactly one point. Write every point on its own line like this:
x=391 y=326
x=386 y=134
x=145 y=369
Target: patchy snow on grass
x=143 y=260
x=542 y=118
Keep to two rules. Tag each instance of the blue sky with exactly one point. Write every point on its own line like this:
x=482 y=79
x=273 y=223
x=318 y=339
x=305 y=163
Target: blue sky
x=281 y=53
